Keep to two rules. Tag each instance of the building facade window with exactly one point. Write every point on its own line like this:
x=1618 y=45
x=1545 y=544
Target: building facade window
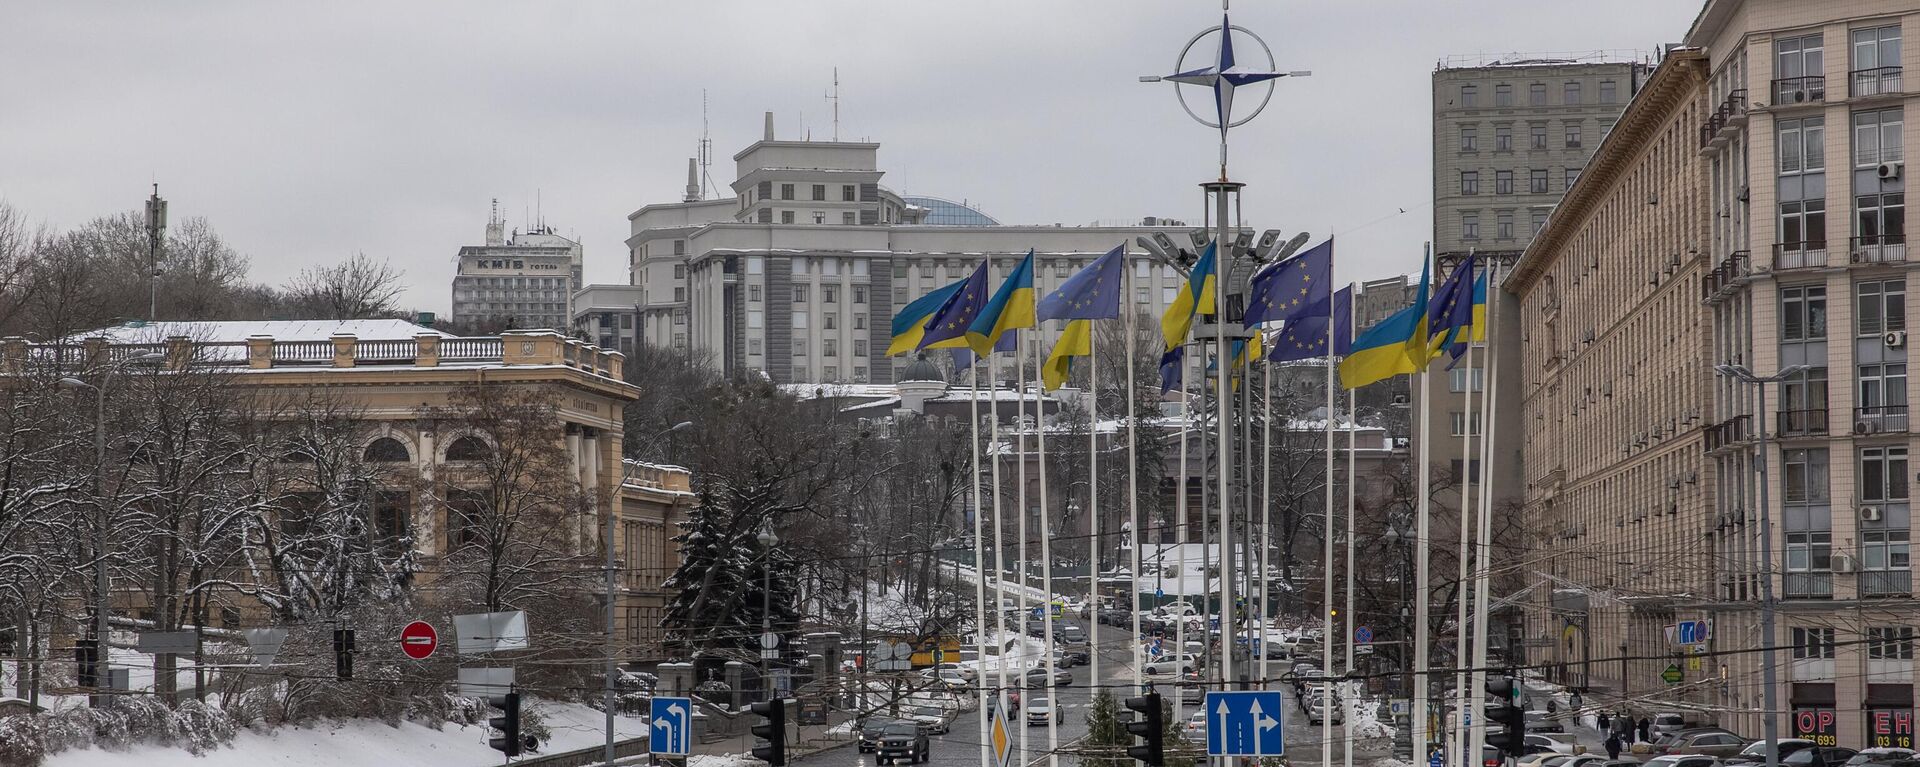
x=1469 y=182
x=1803 y=313
x=849 y=193
x=829 y=347
x=1571 y=94
x=1503 y=95
x=1609 y=92
x=1537 y=95
x=1460 y=424
x=1876 y=61
x=1537 y=180
x=1573 y=135
x=1469 y=226
x=1813 y=643
x=1880 y=306
x=1502 y=138
x=1469 y=138
x=754 y=293
x=829 y=294
x=1503 y=225
x=1457 y=379
x=1798 y=64
x=819 y=191
x=1537 y=136
x=801 y=293
x=1803 y=402
x=1469 y=96
x=1890 y=643
x=1572 y=175
x=1804 y=476
x=1883 y=472
x=1503 y=182
x=1538 y=220
x=786 y=191
x=786 y=217
x=1882 y=404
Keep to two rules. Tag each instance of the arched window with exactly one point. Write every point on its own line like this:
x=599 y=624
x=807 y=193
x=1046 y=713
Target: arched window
x=468 y=449
x=386 y=450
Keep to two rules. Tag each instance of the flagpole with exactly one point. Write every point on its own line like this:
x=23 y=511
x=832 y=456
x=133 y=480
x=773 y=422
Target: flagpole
x=999 y=540
x=1423 y=623
x=979 y=560
x=1093 y=503
x=1180 y=539
x=1243 y=542
x=1460 y=696
x=1266 y=514
x=1133 y=476
x=1352 y=431
x=1482 y=570
x=1326 y=563
x=1020 y=498
x=1046 y=548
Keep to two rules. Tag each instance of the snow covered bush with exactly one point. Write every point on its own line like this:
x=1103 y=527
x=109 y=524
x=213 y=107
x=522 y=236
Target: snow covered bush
x=20 y=742
x=201 y=728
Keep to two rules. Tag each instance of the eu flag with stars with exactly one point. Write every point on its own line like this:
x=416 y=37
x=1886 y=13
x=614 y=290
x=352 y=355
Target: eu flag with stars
x=1306 y=338
x=1292 y=289
x=948 y=327
x=1093 y=293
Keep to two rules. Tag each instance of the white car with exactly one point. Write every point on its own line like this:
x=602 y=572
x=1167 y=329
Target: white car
x=1319 y=709
x=1559 y=743
x=1176 y=608
x=954 y=680
x=1171 y=665
x=1196 y=727
x=1039 y=710
x=932 y=720
x=966 y=671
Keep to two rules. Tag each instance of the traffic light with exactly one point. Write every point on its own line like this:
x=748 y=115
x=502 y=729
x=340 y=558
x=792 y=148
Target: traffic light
x=1511 y=736
x=1151 y=724
x=773 y=730
x=343 y=654
x=87 y=661
x=509 y=741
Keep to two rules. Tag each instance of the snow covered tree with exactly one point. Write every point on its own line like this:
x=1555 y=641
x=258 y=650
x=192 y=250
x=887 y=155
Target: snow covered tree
x=721 y=592
x=1106 y=733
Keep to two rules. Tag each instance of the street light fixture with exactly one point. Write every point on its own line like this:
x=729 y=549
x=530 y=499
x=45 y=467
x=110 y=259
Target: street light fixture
x=1769 y=724
x=100 y=653
x=767 y=541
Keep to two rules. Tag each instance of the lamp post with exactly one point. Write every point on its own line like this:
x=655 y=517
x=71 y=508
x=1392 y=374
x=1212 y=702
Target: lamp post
x=1770 y=676
x=100 y=608
x=767 y=540
x=612 y=571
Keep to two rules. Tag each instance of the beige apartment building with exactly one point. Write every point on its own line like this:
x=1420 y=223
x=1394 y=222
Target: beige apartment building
x=1748 y=210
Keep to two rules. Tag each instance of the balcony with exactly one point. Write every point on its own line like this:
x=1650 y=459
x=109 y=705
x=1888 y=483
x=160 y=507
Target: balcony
x=1882 y=419
x=1729 y=432
x=1732 y=113
x=1727 y=274
x=1879 y=81
x=1802 y=423
x=1799 y=255
x=1877 y=249
x=1788 y=91
x=1809 y=585
x=1886 y=583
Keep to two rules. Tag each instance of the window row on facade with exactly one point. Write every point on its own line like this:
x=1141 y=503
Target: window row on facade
x=1536 y=94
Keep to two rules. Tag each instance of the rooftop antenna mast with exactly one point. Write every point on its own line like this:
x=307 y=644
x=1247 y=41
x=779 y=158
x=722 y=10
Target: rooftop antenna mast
x=706 y=147
x=834 y=99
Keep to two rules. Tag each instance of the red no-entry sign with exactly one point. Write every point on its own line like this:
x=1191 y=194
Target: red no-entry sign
x=418 y=639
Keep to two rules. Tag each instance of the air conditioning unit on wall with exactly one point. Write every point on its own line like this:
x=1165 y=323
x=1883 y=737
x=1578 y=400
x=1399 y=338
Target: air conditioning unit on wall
x=1871 y=513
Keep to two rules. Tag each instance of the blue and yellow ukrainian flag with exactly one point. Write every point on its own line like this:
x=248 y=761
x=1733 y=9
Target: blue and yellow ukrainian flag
x=1075 y=341
x=1011 y=308
x=1477 y=331
x=1397 y=345
x=1195 y=298
x=910 y=323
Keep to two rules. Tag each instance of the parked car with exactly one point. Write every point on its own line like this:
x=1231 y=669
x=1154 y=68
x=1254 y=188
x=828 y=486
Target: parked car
x=1690 y=760
x=1039 y=710
x=1556 y=743
x=1079 y=655
x=871 y=730
x=1756 y=752
x=1665 y=722
x=1818 y=756
x=932 y=719
x=1037 y=677
x=1190 y=690
x=1196 y=727
x=1325 y=707
x=1707 y=743
x=1579 y=760
x=1881 y=756
x=904 y=740
x=954 y=681
x=1659 y=743
x=1170 y=665
x=1491 y=757
x=1541 y=721
x=969 y=672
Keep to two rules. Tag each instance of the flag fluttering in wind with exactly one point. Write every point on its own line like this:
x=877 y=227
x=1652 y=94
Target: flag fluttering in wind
x=1457 y=347
x=1011 y=308
x=1450 y=315
x=947 y=327
x=1306 y=338
x=1075 y=341
x=1093 y=293
x=1292 y=289
x=1398 y=344
x=1195 y=298
x=910 y=323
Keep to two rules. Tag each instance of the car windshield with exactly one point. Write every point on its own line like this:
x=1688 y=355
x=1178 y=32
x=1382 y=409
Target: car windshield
x=901 y=728
x=1668 y=719
x=1039 y=703
x=928 y=711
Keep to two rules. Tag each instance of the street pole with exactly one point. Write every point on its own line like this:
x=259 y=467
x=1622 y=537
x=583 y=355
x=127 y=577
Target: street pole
x=1223 y=442
x=100 y=543
x=1769 y=724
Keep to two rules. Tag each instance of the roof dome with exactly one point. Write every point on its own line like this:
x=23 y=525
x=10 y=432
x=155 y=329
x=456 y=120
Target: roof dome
x=921 y=369
x=944 y=212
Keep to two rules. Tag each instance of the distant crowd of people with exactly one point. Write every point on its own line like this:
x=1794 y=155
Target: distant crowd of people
x=1622 y=730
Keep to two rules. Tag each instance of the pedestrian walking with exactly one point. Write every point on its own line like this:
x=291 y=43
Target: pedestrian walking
x=1646 y=726
x=1553 y=707
x=1606 y=721
x=1613 y=746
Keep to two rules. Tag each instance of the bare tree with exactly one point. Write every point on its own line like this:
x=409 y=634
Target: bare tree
x=354 y=289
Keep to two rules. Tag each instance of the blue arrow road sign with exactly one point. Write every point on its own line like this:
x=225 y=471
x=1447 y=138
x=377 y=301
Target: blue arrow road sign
x=672 y=731
x=1248 y=723
x=1159 y=593
x=1363 y=635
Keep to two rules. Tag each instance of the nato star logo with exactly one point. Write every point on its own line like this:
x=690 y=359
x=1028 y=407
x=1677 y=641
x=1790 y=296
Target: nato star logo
x=1224 y=76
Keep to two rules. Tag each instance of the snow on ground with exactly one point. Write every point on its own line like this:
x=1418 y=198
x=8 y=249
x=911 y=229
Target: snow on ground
x=720 y=760
x=353 y=743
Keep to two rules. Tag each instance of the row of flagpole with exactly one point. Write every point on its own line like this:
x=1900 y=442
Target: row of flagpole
x=962 y=309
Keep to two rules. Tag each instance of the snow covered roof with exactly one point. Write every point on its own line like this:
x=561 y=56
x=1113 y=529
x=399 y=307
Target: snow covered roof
x=280 y=330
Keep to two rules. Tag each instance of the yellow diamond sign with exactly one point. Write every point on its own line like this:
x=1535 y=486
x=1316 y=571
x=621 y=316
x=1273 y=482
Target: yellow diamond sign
x=999 y=738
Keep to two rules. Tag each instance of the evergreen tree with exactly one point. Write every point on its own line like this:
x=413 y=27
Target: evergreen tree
x=1106 y=733
x=721 y=583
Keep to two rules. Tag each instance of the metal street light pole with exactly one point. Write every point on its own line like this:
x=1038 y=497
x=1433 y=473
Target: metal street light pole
x=612 y=570
x=1770 y=723
x=767 y=540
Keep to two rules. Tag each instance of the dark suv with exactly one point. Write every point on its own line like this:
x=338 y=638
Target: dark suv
x=903 y=740
x=870 y=731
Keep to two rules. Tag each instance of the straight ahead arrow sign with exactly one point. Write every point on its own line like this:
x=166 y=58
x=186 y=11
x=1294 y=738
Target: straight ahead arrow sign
x=1221 y=711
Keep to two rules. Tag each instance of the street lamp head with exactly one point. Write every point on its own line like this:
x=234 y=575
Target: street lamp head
x=681 y=426
x=1792 y=370
x=74 y=383
x=766 y=537
x=1392 y=536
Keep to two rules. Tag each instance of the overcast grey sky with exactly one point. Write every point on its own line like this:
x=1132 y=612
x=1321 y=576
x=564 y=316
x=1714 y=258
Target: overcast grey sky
x=308 y=131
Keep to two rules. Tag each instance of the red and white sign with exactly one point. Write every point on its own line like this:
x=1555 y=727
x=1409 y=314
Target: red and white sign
x=418 y=639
